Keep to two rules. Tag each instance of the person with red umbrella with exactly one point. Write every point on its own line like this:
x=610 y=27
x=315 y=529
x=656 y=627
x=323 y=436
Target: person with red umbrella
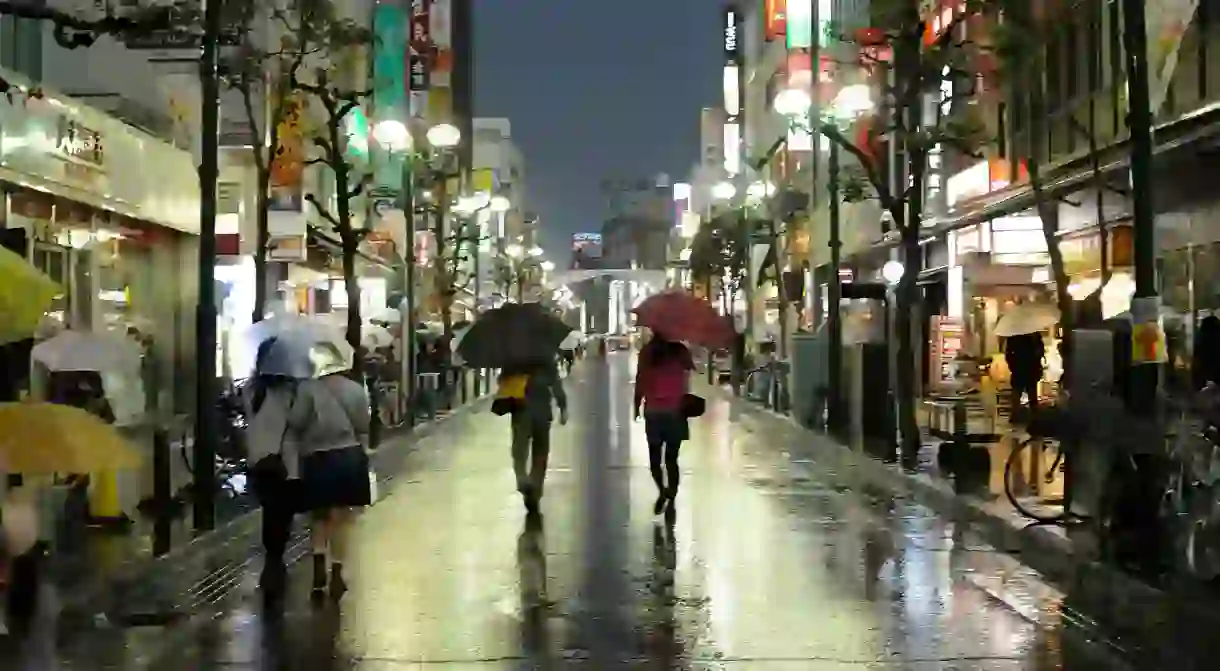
x=662 y=387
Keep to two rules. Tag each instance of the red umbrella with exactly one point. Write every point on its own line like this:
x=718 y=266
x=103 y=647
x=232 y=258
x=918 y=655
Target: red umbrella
x=677 y=315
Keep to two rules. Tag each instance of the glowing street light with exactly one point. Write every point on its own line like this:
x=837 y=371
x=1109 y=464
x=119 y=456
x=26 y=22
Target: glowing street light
x=393 y=135
x=793 y=103
x=759 y=190
x=500 y=204
x=892 y=272
x=724 y=191
x=444 y=136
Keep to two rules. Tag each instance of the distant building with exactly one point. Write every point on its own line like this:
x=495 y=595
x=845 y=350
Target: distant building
x=639 y=222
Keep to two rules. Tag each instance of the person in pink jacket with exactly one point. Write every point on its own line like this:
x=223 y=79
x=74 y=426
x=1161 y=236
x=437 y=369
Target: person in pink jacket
x=662 y=380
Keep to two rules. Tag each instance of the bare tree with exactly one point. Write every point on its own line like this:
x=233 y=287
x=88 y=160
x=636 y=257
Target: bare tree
x=914 y=67
x=262 y=70
x=336 y=101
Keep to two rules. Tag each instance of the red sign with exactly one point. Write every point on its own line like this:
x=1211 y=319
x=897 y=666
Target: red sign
x=777 y=18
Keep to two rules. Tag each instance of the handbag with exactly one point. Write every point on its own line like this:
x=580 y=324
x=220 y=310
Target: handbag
x=693 y=405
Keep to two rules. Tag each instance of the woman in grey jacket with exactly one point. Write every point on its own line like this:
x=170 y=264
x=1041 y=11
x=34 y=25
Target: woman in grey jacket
x=329 y=424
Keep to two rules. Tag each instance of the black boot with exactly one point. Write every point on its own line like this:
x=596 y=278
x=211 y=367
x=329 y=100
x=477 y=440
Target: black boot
x=319 y=574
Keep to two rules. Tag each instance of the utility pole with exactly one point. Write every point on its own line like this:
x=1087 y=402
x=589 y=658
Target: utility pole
x=206 y=387
x=1145 y=306
x=834 y=321
x=409 y=297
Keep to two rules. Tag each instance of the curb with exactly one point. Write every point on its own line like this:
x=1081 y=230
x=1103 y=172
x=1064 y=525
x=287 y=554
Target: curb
x=1108 y=603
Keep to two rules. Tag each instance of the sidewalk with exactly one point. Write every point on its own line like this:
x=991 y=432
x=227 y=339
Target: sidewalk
x=1118 y=606
x=113 y=576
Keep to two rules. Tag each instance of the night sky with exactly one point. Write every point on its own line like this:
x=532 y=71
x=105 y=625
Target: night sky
x=594 y=89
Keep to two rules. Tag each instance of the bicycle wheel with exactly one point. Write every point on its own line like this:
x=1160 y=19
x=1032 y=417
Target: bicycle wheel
x=1014 y=467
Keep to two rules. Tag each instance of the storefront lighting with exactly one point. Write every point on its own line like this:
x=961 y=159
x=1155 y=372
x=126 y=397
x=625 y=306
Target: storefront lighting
x=684 y=255
x=536 y=251
x=444 y=136
x=732 y=90
x=514 y=251
x=724 y=191
x=732 y=148
x=682 y=191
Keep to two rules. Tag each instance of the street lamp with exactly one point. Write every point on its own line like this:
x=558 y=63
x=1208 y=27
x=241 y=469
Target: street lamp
x=500 y=204
x=396 y=138
x=724 y=191
x=792 y=103
x=892 y=272
x=393 y=135
x=444 y=136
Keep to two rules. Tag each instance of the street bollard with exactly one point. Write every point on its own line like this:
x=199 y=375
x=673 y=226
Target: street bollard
x=162 y=492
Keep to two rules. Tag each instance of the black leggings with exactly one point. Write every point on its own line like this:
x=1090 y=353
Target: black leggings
x=278 y=497
x=667 y=450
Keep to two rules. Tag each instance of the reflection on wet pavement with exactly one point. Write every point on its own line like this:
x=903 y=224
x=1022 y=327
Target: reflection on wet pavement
x=768 y=563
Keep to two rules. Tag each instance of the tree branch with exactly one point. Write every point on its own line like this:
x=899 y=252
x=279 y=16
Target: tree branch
x=323 y=212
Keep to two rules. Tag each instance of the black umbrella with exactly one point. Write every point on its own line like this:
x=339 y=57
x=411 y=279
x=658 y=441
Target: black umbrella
x=515 y=334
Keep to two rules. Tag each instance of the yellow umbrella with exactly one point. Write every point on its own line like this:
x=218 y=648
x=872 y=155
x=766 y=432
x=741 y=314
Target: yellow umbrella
x=42 y=438
x=25 y=296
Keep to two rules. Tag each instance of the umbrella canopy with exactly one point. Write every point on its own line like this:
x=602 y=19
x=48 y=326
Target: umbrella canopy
x=25 y=296
x=45 y=438
x=515 y=334
x=386 y=316
x=572 y=341
x=1026 y=318
x=293 y=346
x=87 y=351
x=677 y=315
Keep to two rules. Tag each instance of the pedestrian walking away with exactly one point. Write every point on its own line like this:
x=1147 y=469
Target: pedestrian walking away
x=532 y=415
x=330 y=421
x=661 y=386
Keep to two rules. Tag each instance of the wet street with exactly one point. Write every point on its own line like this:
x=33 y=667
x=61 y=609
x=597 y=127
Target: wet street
x=771 y=562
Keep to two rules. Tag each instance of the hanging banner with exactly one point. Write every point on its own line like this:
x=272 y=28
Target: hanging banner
x=389 y=69
x=777 y=19
x=1167 y=21
x=420 y=56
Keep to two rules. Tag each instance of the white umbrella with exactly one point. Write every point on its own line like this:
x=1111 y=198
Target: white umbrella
x=373 y=336
x=386 y=316
x=572 y=341
x=88 y=351
x=304 y=347
x=1027 y=318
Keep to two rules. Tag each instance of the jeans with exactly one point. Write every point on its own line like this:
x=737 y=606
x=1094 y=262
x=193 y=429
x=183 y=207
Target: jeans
x=531 y=450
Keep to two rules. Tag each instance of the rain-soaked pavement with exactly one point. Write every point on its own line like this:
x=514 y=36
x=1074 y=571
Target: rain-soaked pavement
x=770 y=563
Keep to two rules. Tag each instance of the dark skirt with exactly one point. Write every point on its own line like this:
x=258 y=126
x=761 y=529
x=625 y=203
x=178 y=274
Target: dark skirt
x=336 y=479
x=668 y=426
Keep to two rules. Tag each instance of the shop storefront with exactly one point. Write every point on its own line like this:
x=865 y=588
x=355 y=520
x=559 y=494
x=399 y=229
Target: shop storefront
x=109 y=212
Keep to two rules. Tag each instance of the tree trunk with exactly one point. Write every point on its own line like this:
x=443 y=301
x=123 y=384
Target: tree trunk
x=1048 y=212
x=907 y=299
x=351 y=284
x=262 y=242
